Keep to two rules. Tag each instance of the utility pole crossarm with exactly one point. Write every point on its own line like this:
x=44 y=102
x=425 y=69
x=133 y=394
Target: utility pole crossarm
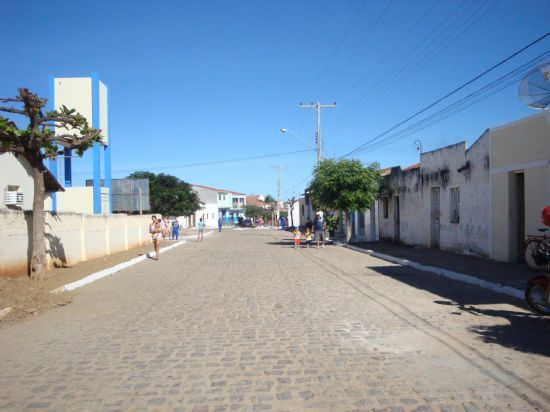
x=317 y=106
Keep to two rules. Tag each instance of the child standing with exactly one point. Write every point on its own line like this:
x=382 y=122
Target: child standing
x=309 y=237
x=297 y=238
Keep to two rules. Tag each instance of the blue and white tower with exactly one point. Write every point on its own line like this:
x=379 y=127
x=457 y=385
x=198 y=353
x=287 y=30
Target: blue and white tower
x=89 y=96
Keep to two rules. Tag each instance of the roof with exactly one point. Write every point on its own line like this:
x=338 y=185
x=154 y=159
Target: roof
x=51 y=184
x=412 y=167
x=217 y=190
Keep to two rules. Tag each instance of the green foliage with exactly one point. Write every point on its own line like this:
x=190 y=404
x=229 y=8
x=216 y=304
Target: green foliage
x=332 y=223
x=169 y=195
x=254 y=211
x=269 y=199
x=344 y=185
x=39 y=140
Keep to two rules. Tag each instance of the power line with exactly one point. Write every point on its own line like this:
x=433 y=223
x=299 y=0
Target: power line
x=473 y=98
x=450 y=93
x=215 y=162
x=416 y=60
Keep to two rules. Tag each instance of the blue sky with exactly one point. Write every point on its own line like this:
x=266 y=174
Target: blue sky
x=204 y=81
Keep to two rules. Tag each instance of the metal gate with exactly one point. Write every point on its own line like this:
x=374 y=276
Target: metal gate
x=435 y=214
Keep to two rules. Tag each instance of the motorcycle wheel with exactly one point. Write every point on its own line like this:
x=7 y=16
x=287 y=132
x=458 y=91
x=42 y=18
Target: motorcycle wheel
x=537 y=296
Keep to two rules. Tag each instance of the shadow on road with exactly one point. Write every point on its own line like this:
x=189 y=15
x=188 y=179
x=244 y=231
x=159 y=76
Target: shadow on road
x=524 y=332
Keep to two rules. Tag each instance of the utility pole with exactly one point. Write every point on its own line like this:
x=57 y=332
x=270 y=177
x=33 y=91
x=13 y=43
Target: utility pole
x=279 y=168
x=317 y=106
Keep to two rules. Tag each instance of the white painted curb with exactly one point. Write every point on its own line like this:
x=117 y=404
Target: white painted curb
x=109 y=271
x=495 y=287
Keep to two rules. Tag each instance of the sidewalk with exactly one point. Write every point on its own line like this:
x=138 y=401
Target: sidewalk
x=509 y=278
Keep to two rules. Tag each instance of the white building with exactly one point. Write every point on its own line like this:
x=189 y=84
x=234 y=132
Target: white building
x=481 y=200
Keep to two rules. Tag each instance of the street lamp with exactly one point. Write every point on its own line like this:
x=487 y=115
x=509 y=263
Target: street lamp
x=283 y=130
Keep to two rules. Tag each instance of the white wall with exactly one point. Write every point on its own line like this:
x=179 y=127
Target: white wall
x=440 y=168
x=74 y=93
x=70 y=237
x=16 y=173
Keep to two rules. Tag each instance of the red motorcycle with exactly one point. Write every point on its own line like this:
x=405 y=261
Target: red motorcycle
x=537 y=293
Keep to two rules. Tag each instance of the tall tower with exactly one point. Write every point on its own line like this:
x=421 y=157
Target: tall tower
x=89 y=96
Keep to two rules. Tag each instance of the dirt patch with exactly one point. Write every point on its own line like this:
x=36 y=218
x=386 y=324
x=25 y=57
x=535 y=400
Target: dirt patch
x=27 y=298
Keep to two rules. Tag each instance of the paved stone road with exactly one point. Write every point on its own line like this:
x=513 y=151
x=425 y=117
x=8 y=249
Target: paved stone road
x=243 y=322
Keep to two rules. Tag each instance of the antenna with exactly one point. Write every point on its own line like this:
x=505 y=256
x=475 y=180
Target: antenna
x=534 y=90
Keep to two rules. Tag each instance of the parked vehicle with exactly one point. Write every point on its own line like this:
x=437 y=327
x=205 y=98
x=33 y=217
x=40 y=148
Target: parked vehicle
x=537 y=250
x=242 y=222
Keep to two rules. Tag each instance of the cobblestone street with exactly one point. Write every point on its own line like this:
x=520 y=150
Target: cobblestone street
x=243 y=322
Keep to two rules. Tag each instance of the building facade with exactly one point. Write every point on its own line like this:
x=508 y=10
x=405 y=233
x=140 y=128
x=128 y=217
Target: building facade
x=481 y=200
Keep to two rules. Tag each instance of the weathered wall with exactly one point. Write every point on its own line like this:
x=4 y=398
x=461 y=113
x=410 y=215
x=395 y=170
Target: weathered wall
x=446 y=168
x=70 y=238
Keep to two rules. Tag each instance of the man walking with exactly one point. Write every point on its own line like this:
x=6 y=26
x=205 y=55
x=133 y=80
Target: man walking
x=220 y=223
x=319 y=226
x=175 y=230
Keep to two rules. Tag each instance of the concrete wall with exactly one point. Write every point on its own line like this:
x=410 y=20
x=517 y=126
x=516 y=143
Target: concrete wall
x=365 y=224
x=14 y=172
x=519 y=147
x=78 y=199
x=411 y=192
x=70 y=238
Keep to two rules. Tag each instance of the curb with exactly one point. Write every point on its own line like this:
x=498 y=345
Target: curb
x=117 y=268
x=461 y=277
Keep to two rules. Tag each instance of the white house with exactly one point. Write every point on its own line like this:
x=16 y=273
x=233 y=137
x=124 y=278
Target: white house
x=481 y=200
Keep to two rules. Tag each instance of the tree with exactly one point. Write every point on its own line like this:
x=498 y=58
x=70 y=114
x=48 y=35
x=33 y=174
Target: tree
x=253 y=211
x=345 y=185
x=270 y=199
x=37 y=142
x=169 y=196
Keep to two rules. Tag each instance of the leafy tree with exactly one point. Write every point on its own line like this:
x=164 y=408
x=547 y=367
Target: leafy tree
x=169 y=195
x=254 y=211
x=37 y=142
x=345 y=185
x=270 y=199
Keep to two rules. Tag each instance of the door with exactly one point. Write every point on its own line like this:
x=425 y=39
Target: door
x=396 y=228
x=435 y=214
x=519 y=215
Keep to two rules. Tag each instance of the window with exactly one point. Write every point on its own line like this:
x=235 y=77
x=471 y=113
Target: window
x=455 y=205
x=386 y=207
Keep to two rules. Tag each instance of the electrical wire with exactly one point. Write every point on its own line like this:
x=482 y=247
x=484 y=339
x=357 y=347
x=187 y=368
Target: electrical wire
x=416 y=60
x=450 y=93
x=211 y=163
x=462 y=104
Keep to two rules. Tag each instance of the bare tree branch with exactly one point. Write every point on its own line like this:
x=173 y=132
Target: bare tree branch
x=13 y=110
x=10 y=99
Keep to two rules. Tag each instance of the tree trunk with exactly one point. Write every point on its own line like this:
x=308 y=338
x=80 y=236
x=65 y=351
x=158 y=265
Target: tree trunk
x=349 y=234
x=38 y=259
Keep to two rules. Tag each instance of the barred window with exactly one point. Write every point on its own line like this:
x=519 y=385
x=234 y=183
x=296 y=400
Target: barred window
x=455 y=205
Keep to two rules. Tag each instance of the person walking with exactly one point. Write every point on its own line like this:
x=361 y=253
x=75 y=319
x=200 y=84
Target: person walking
x=200 y=226
x=220 y=224
x=319 y=225
x=175 y=230
x=155 y=230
